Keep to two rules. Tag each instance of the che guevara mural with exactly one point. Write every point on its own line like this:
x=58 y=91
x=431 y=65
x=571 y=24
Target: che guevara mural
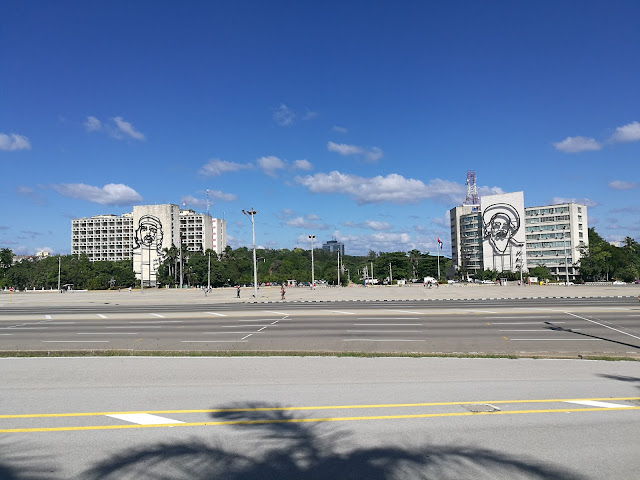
x=147 y=249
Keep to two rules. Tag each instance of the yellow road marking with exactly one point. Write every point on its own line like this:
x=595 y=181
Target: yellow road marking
x=323 y=407
x=310 y=420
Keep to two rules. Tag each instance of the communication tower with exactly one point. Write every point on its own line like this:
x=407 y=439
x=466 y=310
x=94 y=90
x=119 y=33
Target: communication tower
x=472 y=191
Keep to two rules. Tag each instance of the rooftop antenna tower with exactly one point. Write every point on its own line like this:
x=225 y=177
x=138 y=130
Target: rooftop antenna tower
x=472 y=191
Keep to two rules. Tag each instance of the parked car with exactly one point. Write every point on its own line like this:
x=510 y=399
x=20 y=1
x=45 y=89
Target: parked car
x=619 y=282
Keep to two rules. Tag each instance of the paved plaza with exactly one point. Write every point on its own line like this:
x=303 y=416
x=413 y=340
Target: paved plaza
x=305 y=294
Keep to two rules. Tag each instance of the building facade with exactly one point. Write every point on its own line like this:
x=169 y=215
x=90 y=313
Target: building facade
x=144 y=234
x=501 y=234
x=333 y=246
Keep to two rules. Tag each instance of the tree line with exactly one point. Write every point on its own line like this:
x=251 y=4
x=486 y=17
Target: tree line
x=231 y=267
x=601 y=261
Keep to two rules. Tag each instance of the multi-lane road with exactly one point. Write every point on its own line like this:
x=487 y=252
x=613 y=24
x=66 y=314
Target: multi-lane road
x=315 y=418
x=563 y=326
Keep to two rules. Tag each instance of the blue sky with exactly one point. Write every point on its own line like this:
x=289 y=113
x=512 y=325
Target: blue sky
x=349 y=120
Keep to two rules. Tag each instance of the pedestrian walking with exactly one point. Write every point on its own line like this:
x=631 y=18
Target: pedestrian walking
x=237 y=291
x=282 y=292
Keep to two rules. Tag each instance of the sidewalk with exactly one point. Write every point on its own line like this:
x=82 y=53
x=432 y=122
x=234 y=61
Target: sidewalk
x=155 y=296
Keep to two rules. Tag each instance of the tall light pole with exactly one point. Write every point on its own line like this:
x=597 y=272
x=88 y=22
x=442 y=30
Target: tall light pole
x=566 y=263
x=250 y=214
x=313 y=275
x=209 y=270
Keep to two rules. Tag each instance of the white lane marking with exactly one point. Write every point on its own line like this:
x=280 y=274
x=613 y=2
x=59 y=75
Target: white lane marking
x=225 y=333
x=260 y=329
x=60 y=323
x=338 y=311
x=236 y=326
x=539 y=330
x=554 y=339
x=520 y=323
x=602 y=325
x=387 y=318
x=379 y=340
x=279 y=313
x=5 y=334
x=153 y=322
x=75 y=341
x=157 y=315
x=143 y=418
x=137 y=326
x=405 y=311
x=387 y=324
x=213 y=341
x=107 y=333
x=259 y=319
x=521 y=316
x=592 y=403
x=478 y=311
x=101 y=315
x=48 y=317
x=216 y=314
x=24 y=328
x=247 y=336
x=384 y=331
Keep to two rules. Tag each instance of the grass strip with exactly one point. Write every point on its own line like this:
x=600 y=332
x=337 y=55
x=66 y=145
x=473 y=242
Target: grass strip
x=250 y=353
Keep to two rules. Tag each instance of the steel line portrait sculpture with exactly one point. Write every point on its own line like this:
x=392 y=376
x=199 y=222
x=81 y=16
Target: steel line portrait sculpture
x=148 y=248
x=500 y=224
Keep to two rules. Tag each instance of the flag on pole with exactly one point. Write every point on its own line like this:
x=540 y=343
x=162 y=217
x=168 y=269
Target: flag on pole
x=440 y=243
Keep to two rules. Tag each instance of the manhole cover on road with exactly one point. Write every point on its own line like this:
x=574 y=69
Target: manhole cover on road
x=480 y=407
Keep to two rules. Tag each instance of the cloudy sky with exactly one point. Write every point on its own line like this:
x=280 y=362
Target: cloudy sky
x=352 y=120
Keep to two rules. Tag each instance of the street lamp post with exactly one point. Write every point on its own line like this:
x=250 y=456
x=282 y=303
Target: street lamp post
x=313 y=275
x=250 y=214
x=209 y=272
x=566 y=263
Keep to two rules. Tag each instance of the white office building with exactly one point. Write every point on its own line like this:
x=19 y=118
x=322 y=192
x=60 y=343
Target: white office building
x=144 y=234
x=501 y=234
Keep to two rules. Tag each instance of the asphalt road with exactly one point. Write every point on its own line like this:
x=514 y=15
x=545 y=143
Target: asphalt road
x=550 y=326
x=304 y=418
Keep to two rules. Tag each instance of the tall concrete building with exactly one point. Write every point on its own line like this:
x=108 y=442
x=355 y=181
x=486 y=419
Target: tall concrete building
x=144 y=234
x=333 y=246
x=501 y=234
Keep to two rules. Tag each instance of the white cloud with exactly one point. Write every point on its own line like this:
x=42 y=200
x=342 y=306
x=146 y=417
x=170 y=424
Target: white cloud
x=225 y=197
x=622 y=185
x=92 y=124
x=215 y=167
x=627 y=133
x=371 y=155
x=128 y=129
x=577 y=144
x=300 y=222
x=284 y=116
x=193 y=201
x=14 y=141
x=309 y=115
x=110 y=194
x=373 y=225
x=392 y=188
x=380 y=242
x=312 y=217
x=270 y=164
x=118 y=128
x=584 y=201
x=302 y=165
x=339 y=129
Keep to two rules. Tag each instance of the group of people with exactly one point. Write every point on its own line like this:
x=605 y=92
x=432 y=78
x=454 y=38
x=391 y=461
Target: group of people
x=283 y=291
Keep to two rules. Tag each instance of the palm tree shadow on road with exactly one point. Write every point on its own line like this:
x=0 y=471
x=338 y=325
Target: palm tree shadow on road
x=287 y=447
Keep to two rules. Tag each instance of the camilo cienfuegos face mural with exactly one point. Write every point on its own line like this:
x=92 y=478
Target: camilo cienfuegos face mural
x=500 y=224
